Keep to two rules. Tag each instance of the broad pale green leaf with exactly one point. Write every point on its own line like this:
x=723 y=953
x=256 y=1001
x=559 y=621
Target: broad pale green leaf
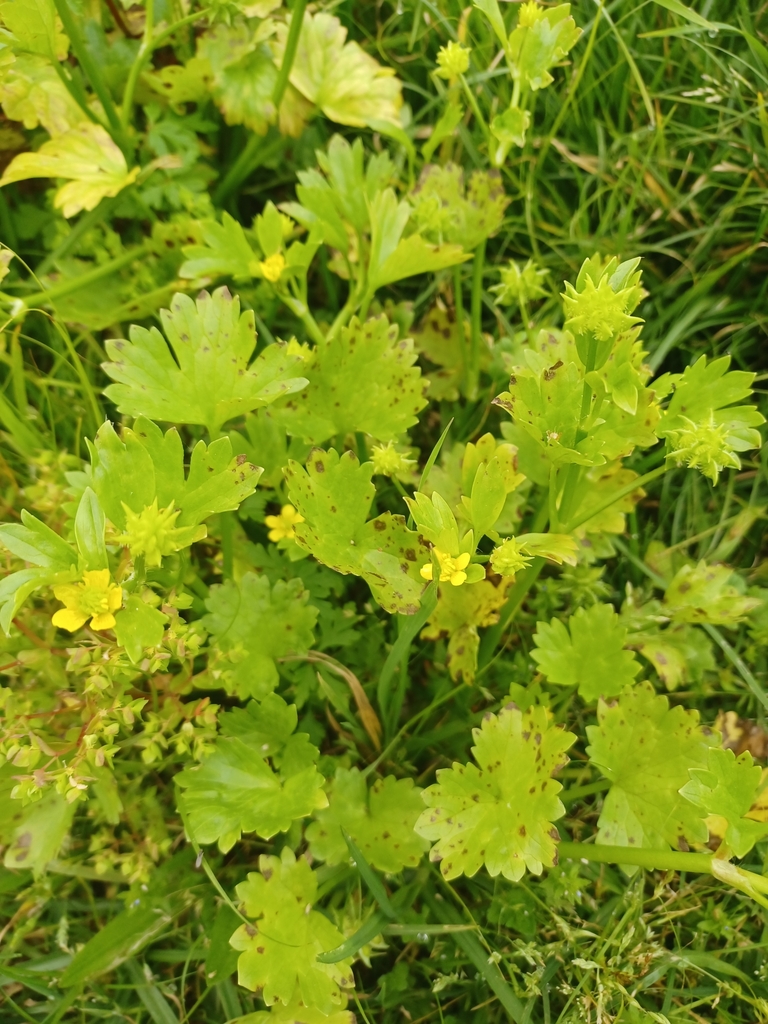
x=145 y=465
x=253 y=624
x=704 y=593
x=242 y=74
x=334 y=496
x=32 y=92
x=500 y=814
x=85 y=155
x=347 y=84
x=235 y=790
x=279 y=954
x=363 y=379
x=33 y=23
x=40 y=832
x=380 y=821
x=727 y=788
x=139 y=626
x=269 y=727
x=17 y=587
x=646 y=750
x=589 y=653
x=205 y=375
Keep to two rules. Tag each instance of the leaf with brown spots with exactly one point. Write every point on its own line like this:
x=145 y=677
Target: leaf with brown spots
x=334 y=496
x=364 y=380
x=646 y=750
x=380 y=820
x=278 y=953
x=500 y=814
x=202 y=374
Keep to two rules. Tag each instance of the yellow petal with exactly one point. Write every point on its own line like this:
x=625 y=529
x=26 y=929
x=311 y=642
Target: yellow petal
x=65 y=618
x=426 y=571
x=462 y=561
x=115 y=598
x=277 y=534
x=97 y=578
x=272 y=521
x=67 y=593
x=104 y=621
x=457 y=578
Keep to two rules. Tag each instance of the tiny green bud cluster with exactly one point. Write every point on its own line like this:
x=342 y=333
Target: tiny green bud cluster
x=598 y=309
x=703 y=446
x=520 y=285
x=508 y=558
x=152 y=533
x=388 y=461
x=452 y=60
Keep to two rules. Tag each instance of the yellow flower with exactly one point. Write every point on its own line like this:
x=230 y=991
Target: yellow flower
x=94 y=598
x=282 y=526
x=273 y=266
x=451 y=568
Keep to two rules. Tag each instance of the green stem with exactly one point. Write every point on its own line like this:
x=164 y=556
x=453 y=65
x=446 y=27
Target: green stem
x=291 y=45
x=476 y=309
x=49 y=295
x=472 y=100
x=299 y=309
x=93 y=73
x=641 y=481
x=658 y=860
x=458 y=302
x=573 y=472
x=737 y=662
x=145 y=50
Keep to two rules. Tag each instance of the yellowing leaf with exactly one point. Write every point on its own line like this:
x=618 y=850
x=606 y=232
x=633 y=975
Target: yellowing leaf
x=460 y=611
x=379 y=820
x=87 y=156
x=339 y=77
x=35 y=25
x=32 y=92
x=501 y=813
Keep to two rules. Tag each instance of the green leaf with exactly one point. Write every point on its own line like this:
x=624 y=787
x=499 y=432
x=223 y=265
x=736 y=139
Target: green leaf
x=492 y=11
x=269 y=727
x=242 y=74
x=205 y=376
x=339 y=77
x=645 y=749
x=364 y=379
x=17 y=587
x=147 y=466
x=38 y=836
x=235 y=790
x=727 y=787
x=334 y=496
x=85 y=155
x=393 y=257
x=543 y=36
x=33 y=23
x=591 y=656
x=703 y=593
x=501 y=813
x=509 y=129
x=37 y=543
x=279 y=954
x=139 y=626
x=90 y=526
x=225 y=252
x=32 y=92
x=379 y=820
x=284 y=622
x=296 y=1012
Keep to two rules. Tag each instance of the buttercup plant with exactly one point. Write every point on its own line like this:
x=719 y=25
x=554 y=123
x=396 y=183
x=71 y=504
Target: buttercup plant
x=383 y=589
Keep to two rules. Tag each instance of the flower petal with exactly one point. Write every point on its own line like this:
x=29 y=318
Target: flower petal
x=66 y=618
x=103 y=621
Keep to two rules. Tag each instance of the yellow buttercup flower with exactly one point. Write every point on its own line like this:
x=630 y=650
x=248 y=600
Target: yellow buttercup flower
x=451 y=568
x=95 y=598
x=282 y=526
x=273 y=266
